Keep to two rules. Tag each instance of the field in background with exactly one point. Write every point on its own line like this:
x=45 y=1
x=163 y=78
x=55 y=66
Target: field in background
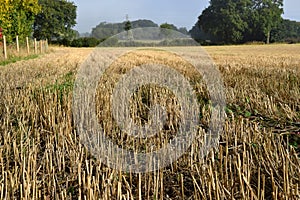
x=258 y=156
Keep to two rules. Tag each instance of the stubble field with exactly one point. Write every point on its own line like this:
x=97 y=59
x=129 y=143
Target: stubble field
x=258 y=157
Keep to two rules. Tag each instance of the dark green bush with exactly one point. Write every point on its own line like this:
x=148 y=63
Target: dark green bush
x=85 y=42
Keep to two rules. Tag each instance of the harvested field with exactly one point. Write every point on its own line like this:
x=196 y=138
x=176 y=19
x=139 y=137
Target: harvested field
x=258 y=157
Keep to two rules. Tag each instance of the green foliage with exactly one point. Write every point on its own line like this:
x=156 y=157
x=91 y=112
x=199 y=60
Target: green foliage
x=85 y=42
x=167 y=30
x=105 y=30
x=127 y=26
x=199 y=35
x=62 y=86
x=17 y=17
x=287 y=31
x=265 y=16
x=224 y=20
x=56 y=20
x=178 y=42
x=168 y=26
x=239 y=21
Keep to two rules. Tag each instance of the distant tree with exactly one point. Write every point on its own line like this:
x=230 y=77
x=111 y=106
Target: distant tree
x=17 y=17
x=127 y=26
x=224 y=20
x=286 y=31
x=183 y=30
x=167 y=30
x=237 y=21
x=76 y=34
x=85 y=42
x=267 y=15
x=56 y=20
x=168 y=26
x=105 y=30
x=142 y=23
x=198 y=34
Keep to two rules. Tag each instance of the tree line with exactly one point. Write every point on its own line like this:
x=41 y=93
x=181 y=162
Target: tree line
x=105 y=30
x=241 y=21
x=222 y=22
x=42 y=19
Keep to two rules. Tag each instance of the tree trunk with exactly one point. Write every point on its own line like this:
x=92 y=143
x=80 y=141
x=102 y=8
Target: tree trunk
x=268 y=37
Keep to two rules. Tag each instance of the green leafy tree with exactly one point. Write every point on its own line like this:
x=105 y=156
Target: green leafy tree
x=167 y=30
x=199 y=35
x=286 y=31
x=168 y=26
x=237 y=21
x=267 y=15
x=224 y=20
x=105 y=30
x=17 y=17
x=127 y=26
x=56 y=20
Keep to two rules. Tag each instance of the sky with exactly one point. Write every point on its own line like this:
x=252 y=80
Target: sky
x=178 y=12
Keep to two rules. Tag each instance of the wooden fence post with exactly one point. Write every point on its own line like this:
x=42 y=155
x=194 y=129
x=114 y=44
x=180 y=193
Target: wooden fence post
x=17 y=41
x=41 y=46
x=4 y=47
x=27 y=45
x=35 y=46
x=46 y=45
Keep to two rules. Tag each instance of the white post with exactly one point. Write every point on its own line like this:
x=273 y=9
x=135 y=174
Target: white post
x=46 y=45
x=41 y=46
x=27 y=45
x=17 y=41
x=4 y=47
x=35 y=46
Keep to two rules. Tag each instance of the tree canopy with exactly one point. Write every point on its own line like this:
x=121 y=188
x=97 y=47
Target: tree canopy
x=198 y=34
x=237 y=21
x=168 y=26
x=287 y=31
x=166 y=29
x=105 y=30
x=56 y=20
x=17 y=17
x=127 y=25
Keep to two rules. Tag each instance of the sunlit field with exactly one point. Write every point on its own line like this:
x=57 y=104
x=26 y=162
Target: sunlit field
x=258 y=156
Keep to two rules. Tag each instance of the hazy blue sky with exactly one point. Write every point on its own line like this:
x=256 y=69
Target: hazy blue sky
x=179 y=12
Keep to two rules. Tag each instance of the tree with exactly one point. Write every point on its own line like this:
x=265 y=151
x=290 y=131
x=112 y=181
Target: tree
x=237 y=21
x=224 y=20
x=286 y=31
x=17 y=17
x=127 y=28
x=168 y=26
x=198 y=34
x=127 y=25
x=183 y=30
x=268 y=15
x=56 y=20
x=105 y=30
x=167 y=30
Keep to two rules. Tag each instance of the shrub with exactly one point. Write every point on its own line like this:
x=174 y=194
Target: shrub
x=85 y=42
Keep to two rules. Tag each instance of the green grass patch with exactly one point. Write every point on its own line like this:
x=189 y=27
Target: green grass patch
x=61 y=87
x=17 y=58
x=64 y=83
